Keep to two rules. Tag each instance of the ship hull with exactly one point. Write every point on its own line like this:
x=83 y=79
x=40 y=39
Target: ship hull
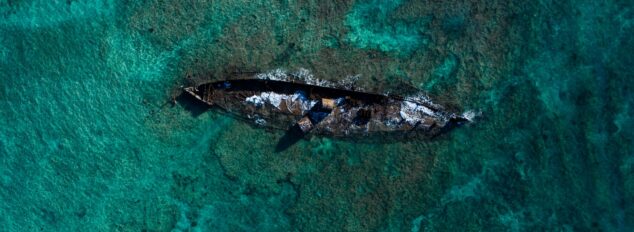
x=323 y=110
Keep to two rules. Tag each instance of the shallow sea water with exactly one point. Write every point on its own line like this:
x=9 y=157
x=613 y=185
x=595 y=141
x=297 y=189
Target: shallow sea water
x=89 y=140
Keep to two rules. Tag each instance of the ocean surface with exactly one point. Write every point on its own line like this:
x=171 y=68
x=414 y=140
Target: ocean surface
x=90 y=139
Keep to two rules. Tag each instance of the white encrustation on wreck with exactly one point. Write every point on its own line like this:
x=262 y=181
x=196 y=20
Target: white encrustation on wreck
x=284 y=102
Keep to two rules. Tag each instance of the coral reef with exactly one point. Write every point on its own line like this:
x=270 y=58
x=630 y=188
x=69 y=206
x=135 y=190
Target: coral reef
x=90 y=140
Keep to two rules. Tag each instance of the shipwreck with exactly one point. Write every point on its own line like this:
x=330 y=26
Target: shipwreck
x=306 y=105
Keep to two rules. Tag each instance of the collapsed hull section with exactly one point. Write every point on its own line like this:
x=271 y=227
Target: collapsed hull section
x=323 y=110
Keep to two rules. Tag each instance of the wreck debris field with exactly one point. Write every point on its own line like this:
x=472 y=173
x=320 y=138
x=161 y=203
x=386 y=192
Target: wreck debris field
x=287 y=115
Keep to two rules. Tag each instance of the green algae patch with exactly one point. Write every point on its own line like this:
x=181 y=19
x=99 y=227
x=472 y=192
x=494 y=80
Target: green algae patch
x=374 y=25
x=442 y=74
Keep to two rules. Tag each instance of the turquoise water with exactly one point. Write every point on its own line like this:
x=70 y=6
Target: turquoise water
x=89 y=140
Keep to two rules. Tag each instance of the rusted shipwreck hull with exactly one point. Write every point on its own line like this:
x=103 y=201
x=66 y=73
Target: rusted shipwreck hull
x=320 y=107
